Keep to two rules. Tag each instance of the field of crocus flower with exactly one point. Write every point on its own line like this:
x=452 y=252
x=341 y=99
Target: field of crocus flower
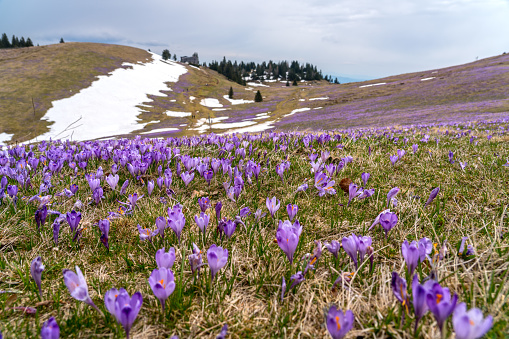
x=365 y=233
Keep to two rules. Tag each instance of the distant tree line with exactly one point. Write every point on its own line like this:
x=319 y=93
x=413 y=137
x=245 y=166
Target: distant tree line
x=15 y=42
x=283 y=70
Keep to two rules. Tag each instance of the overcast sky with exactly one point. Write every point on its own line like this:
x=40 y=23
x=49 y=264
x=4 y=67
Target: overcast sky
x=356 y=38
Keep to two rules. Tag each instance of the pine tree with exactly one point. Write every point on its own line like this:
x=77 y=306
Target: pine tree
x=175 y=57
x=22 y=42
x=62 y=40
x=166 y=54
x=258 y=97
x=230 y=93
x=287 y=83
x=294 y=83
x=29 y=42
x=4 y=43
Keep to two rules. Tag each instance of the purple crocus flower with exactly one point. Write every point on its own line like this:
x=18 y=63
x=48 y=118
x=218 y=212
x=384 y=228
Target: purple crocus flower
x=288 y=237
x=77 y=286
x=93 y=182
x=419 y=293
x=202 y=221
x=36 y=268
x=217 y=258
x=292 y=211
x=50 y=329
x=104 y=227
x=339 y=323
x=272 y=205
x=204 y=203
x=394 y=159
x=40 y=216
x=176 y=222
x=195 y=259
x=73 y=219
x=366 y=194
x=165 y=259
x=365 y=176
x=451 y=157
x=411 y=255
x=464 y=164
x=187 y=177
x=229 y=227
x=351 y=246
x=244 y=212
x=388 y=220
x=470 y=324
x=296 y=279
x=223 y=333
x=333 y=247
x=399 y=289
x=161 y=225
x=414 y=148
x=432 y=196
x=392 y=193
x=302 y=188
x=98 y=195
x=112 y=180
x=56 y=231
x=124 y=187
x=73 y=188
x=150 y=187
x=218 y=207
x=132 y=199
x=124 y=308
x=352 y=192
x=146 y=233
x=12 y=191
x=440 y=303
x=461 y=250
x=162 y=283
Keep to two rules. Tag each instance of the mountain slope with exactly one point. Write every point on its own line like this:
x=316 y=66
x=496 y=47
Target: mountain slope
x=198 y=102
x=47 y=73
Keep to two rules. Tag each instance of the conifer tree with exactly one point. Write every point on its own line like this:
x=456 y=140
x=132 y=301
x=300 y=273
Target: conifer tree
x=294 y=82
x=62 y=40
x=287 y=83
x=29 y=43
x=258 y=97
x=166 y=54
x=4 y=43
x=230 y=93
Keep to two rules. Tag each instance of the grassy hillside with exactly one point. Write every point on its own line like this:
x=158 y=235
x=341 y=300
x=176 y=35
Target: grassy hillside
x=48 y=73
x=473 y=91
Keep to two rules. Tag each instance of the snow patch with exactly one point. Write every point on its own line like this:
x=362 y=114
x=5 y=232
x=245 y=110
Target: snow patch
x=255 y=84
x=108 y=106
x=378 y=84
x=5 y=137
x=253 y=129
x=324 y=98
x=210 y=102
x=238 y=101
x=161 y=130
x=297 y=111
x=425 y=79
x=221 y=109
x=177 y=114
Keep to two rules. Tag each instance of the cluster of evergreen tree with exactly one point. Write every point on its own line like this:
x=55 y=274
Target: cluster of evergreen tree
x=15 y=42
x=283 y=70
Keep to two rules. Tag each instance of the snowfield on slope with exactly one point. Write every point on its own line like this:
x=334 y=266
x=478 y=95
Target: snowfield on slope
x=108 y=106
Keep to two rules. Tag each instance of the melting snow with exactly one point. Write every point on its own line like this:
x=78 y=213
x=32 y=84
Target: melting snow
x=237 y=101
x=177 y=114
x=210 y=102
x=255 y=84
x=324 y=98
x=378 y=84
x=161 y=130
x=5 y=137
x=297 y=111
x=427 y=78
x=108 y=106
x=253 y=129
